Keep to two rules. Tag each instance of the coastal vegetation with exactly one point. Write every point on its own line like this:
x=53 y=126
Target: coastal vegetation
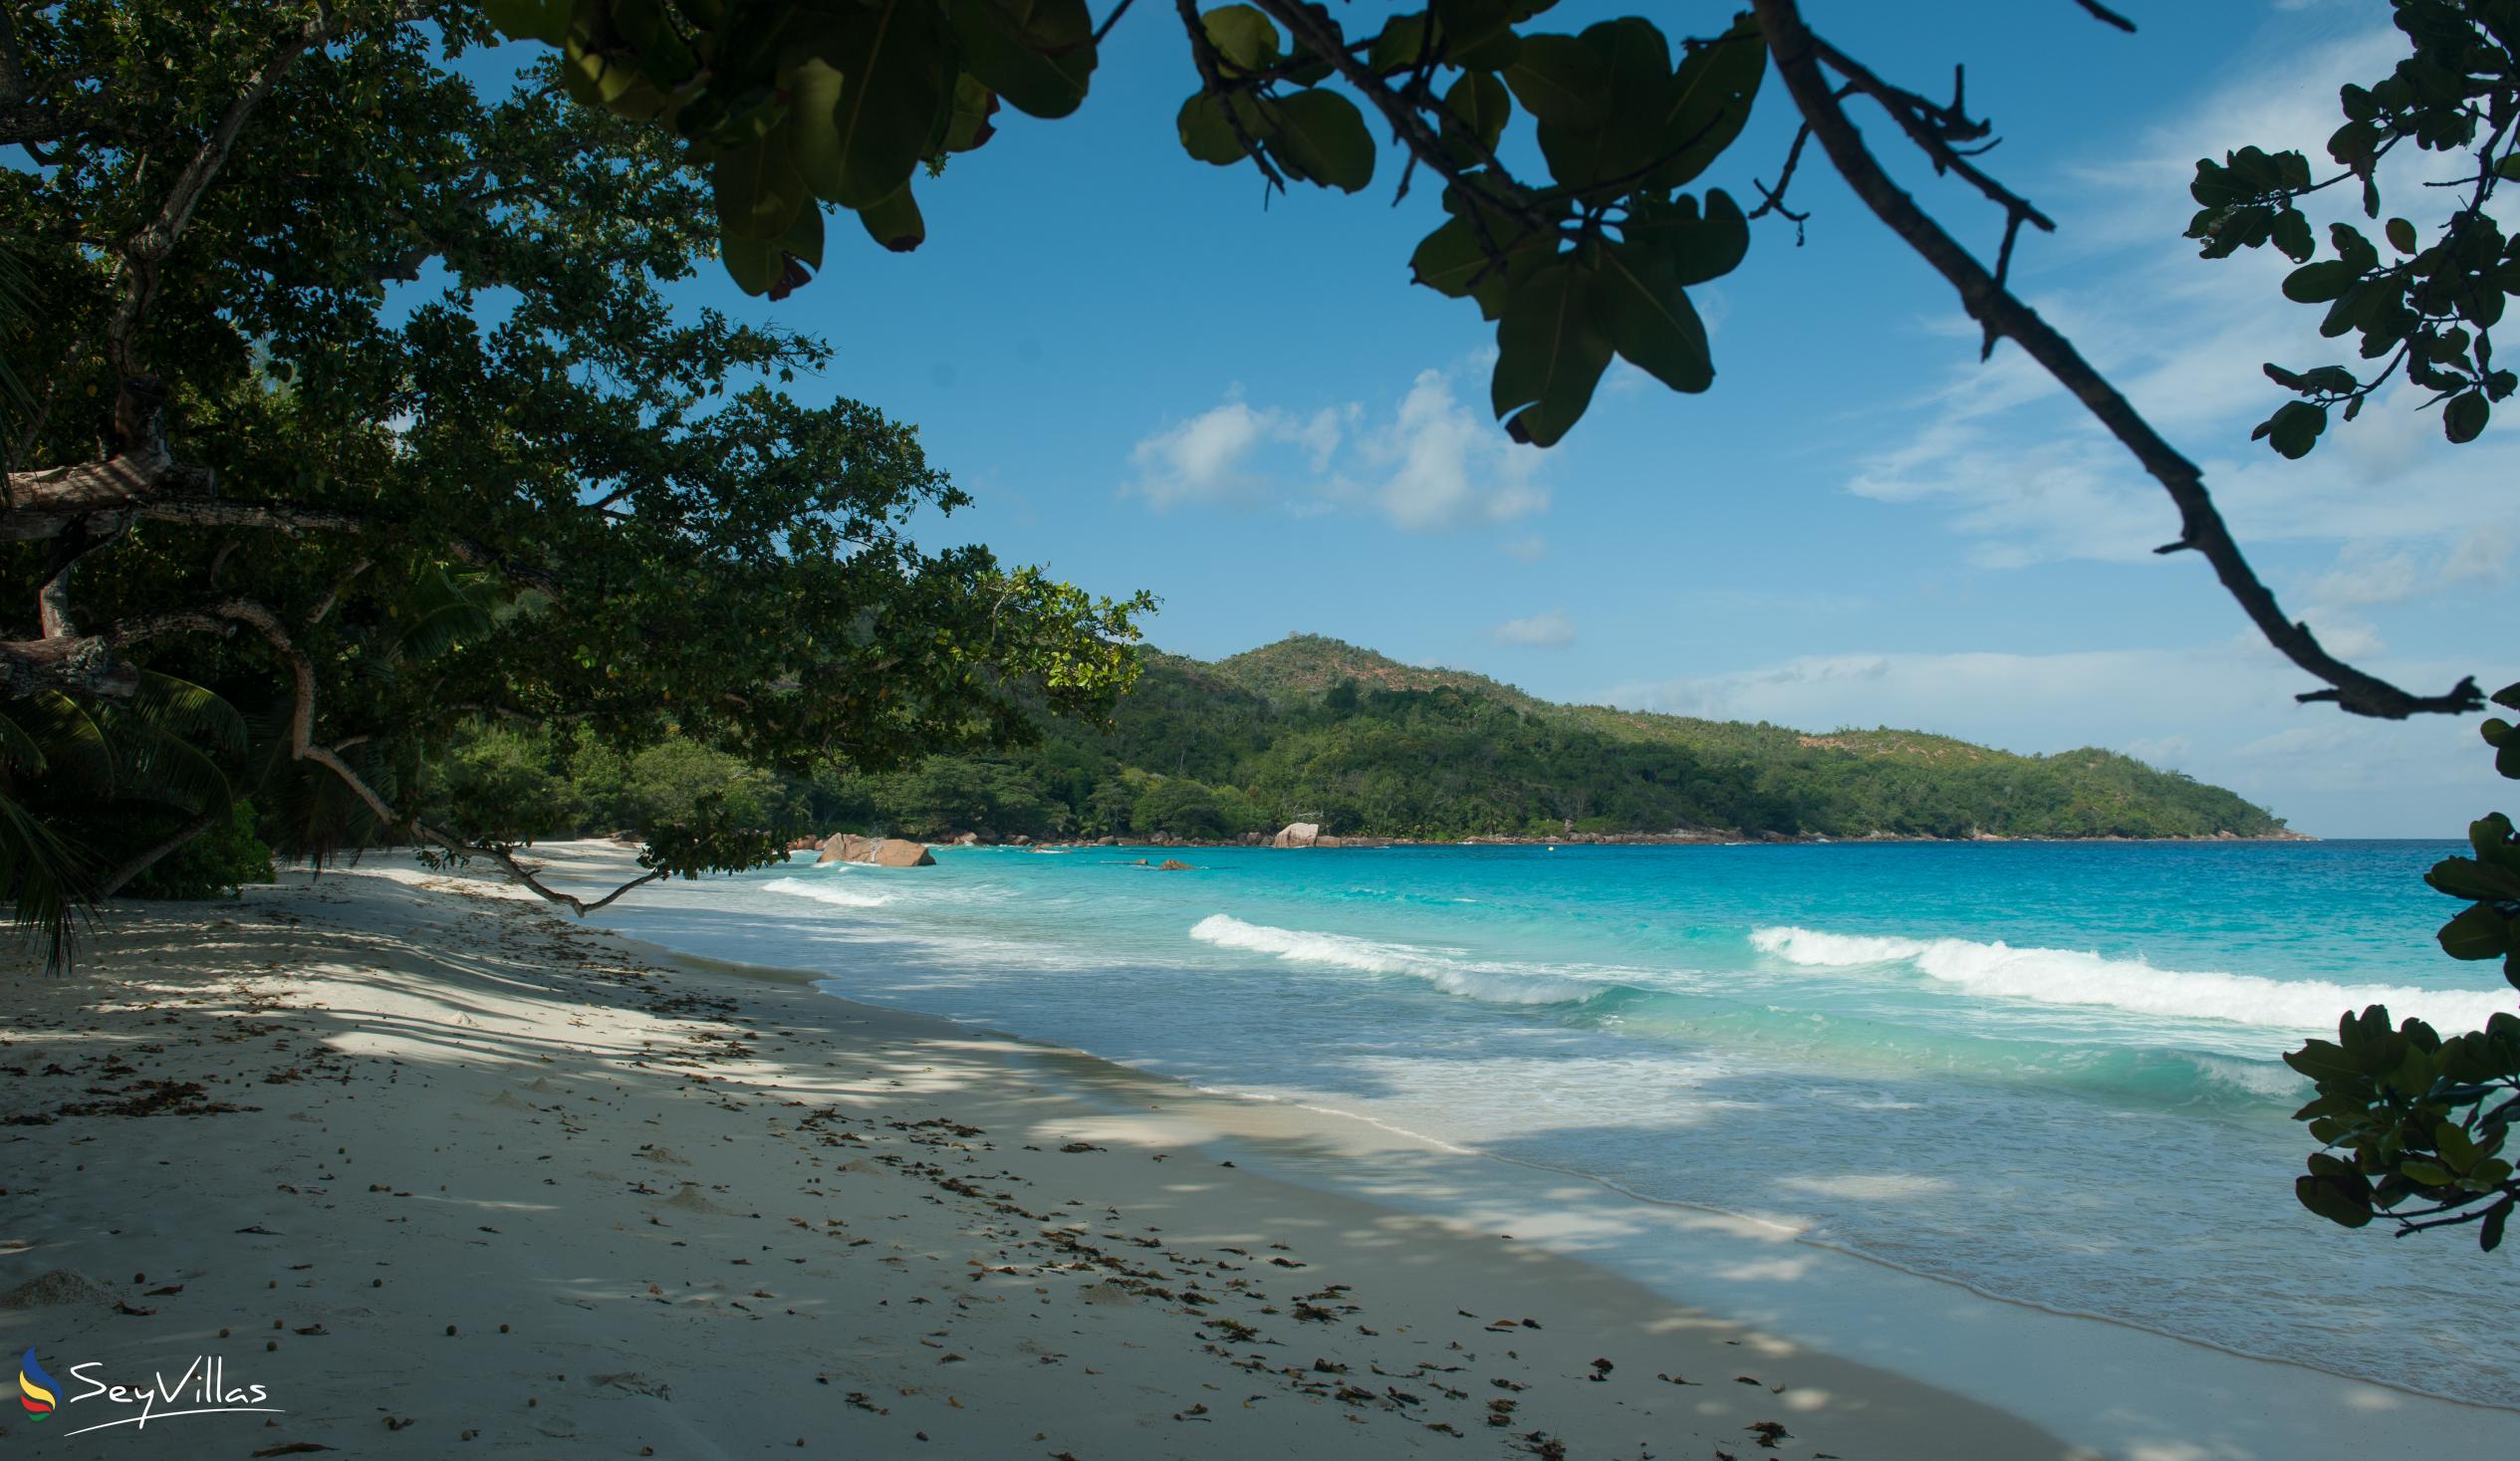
x=1312 y=729
x=2413 y=1125
x=349 y=411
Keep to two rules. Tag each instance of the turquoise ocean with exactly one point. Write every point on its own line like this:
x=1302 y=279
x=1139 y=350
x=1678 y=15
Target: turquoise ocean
x=2049 y=1072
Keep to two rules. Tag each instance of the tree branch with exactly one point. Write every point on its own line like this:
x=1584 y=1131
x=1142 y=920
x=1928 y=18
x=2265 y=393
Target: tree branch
x=2107 y=16
x=150 y=245
x=1798 y=61
x=302 y=747
x=114 y=881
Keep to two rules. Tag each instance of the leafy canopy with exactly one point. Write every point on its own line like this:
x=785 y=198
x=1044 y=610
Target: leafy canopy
x=792 y=105
x=2428 y=306
x=400 y=431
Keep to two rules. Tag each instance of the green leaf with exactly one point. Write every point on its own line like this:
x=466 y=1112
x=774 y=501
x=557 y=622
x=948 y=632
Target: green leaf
x=1320 y=136
x=2313 y=283
x=2458 y=1153
x=1701 y=247
x=2321 y=1059
x=1710 y=101
x=1550 y=352
x=1615 y=153
x=775 y=267
x=2462 y=877
x=661 y=50
x=1242 y=36
x=1478 y=105
x=803 y=241
x=1476 y=35
x=2402 y=235
x=2294 y=429
x=2463 y=420
x=1453 y=260
x=1651 y=321
x=974 y=114
x=896 y=222
x=546 y=21
x=2335 y=1199
x=1401 y=41
x=1205 y=134
x=758 y=189
x=2477 y=933
x=892 y=114
x=2429 y=1174
x=2291 y=233
x=1558 y=80
x=2489 y=1232
x=756 y=264
x=1037 y=54
x=598 y=80
x=814 y=91
x=2351 y=248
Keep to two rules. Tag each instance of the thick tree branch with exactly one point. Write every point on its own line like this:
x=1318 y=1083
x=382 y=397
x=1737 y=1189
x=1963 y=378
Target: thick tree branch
x=506 y=858
x=46 y=503
x=302 y=747
x=1798 y=61
x=149 y=246
x=148 y=486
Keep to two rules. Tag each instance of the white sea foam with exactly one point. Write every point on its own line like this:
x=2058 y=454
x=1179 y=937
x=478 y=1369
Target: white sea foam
x=824 y=890
x=1443 y=970
x=2068 y=977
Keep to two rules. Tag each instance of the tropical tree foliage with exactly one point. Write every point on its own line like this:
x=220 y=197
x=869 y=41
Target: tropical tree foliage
x=368 y=416
x=1313 y=730
x=2414 y=1122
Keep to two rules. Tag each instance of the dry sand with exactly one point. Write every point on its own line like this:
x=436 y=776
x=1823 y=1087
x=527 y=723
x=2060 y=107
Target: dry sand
x=448 y=1176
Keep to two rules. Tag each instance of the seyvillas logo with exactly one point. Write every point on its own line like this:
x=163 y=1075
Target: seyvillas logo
x=34 y=1388
x=201 y=1388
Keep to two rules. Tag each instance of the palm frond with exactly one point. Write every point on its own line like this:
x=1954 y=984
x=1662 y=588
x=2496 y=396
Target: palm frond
x=180 y=708
x=19 y=752
x=46 y=880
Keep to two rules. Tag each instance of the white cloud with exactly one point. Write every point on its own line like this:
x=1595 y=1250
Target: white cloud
x=1432 y=465
x=2022 y=471
x=1551 y=630
x=1213 y=456
x=1436 y=465
x=1529 y=548
x=2367 y=574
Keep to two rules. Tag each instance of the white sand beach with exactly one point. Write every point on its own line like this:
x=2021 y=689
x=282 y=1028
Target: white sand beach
x=445 y=1173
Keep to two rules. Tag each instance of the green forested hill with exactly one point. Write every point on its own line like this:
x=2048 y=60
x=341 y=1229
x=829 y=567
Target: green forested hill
x=1313 y=730
x=1317 y=730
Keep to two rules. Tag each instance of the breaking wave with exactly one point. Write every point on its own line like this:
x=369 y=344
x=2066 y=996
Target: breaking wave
x=2068 y=977
x=827 y=890
x=1453 y=975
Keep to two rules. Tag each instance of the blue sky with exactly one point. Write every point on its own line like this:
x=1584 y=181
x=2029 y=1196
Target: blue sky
x=1151 y=377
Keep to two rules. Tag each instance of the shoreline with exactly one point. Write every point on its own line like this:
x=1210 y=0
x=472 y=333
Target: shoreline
x=944 y=1236
x=1369 y=841
x=1878 y=1357
x=2342 y=1403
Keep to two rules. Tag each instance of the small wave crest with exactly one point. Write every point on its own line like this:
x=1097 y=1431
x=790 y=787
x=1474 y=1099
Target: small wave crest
x=1446 y=972
x=827 y=890
x=2069 y=976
